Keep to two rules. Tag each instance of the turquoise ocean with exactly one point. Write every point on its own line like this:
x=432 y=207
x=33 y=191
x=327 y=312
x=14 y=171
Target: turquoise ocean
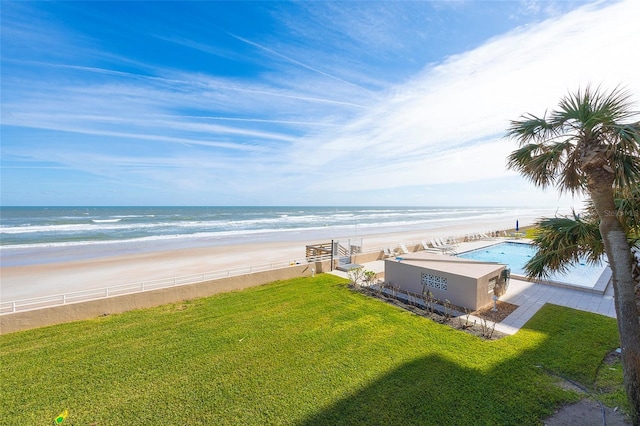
x=30 y=235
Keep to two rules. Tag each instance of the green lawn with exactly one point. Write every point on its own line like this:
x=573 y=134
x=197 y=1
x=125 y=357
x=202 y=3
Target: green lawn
x=304 y=351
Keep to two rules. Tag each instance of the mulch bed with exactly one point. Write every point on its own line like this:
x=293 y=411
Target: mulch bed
x=485 y=329
x=504 y=310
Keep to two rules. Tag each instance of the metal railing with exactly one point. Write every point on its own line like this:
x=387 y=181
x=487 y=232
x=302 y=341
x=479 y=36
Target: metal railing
x=137 y=287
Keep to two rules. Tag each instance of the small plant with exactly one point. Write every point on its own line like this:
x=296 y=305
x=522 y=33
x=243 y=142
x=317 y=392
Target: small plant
x=429 y=300
x=369 y=277
x=448 y=310
x=408 y=302
x=487 y=331
x=416 y=298
x=394 y=290
x=467 y=324
x=356 y=276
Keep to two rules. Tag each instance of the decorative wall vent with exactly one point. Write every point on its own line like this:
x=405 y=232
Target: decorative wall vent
x=434 y=281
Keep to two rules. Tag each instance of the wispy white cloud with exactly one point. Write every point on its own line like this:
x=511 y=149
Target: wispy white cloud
x=421 y=131
x=316 y=124
x=294 y=61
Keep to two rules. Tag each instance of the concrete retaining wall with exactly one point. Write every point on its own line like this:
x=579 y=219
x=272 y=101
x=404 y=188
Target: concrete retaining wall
x=368 y=257
x=10 y=323
x=379 y=255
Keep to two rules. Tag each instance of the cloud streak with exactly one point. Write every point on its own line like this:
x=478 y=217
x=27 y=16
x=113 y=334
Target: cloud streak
x=294 y=61
x=327 y=130
x=422 y=130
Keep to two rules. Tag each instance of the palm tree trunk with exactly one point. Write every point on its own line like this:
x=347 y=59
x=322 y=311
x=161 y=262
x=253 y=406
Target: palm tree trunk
x=619 y=254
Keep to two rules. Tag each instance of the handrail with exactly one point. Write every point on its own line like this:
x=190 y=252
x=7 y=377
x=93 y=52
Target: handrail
x=137 y=287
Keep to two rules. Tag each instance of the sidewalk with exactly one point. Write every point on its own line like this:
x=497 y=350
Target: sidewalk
x=530 y=297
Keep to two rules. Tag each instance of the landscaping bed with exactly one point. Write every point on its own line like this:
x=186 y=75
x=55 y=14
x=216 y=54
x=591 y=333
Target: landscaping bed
x=454 y=316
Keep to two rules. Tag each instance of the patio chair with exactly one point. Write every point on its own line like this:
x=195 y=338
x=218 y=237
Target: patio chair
x=435 y=244
x=449 y=243
x=390 y=252
x=426 y=247
x=440 y=245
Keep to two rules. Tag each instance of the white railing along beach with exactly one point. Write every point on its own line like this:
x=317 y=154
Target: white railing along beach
x=137 y=287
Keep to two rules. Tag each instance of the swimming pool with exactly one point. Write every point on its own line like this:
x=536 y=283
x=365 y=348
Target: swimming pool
x=516 y=255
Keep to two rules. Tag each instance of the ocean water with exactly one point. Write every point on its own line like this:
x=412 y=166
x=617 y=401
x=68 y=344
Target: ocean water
x=47 y=234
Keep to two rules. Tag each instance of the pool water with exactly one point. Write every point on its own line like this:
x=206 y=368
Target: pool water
x=516 y=255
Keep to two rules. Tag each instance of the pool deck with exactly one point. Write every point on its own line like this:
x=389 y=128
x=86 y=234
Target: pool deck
x=531 y=296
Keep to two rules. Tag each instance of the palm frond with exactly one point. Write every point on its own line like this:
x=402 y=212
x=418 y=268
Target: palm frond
x=562 y=242
x=629 y=136
x=628 y=209
x=625 y=154
x=543 y=264
x=548 y=164
x=572 y=108
x=585 y=131
x=530 y=129
x=592 y=110
x=626 y=169
x=616 y=105
x=530 y=161
x=571 y=177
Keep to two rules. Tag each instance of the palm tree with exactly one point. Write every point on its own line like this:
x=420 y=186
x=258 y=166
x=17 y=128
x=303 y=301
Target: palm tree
x=591 y=145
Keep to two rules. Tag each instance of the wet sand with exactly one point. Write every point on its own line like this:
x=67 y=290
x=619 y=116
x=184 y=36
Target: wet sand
x=59 y=277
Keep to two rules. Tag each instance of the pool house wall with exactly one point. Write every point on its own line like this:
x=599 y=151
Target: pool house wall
x=467 y=284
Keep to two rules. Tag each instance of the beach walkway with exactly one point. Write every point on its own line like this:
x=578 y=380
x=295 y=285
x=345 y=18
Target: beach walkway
x=531 y=296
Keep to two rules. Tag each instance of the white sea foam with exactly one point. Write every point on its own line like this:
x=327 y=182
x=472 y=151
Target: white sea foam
x=198 y=235
x=122 y=225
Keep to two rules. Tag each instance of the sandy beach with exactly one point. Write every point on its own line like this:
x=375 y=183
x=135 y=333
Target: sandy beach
x=54 y=278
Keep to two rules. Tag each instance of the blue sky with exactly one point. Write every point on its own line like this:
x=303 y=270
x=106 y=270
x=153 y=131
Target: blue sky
x=279 y=103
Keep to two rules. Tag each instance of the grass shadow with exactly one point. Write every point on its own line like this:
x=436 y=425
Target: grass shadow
x=435 y=390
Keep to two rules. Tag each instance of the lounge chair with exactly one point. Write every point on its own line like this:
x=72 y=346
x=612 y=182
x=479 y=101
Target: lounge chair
x=428 y=248
x=390 y=252
x=449 y=242
x=438 y=246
